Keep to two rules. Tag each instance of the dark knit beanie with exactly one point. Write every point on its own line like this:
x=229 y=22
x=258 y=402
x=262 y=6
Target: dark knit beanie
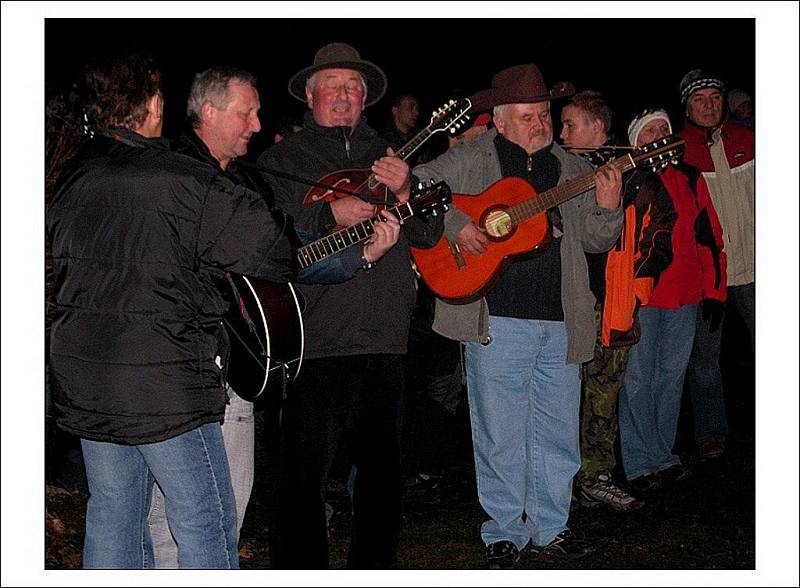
x=697 y=79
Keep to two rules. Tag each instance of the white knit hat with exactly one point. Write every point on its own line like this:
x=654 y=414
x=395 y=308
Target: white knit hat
x=639 y=121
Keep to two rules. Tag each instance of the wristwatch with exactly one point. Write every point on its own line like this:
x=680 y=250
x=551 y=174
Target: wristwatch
x=367 y=265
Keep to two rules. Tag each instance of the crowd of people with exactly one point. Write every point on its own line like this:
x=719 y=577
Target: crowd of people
x=580 y=342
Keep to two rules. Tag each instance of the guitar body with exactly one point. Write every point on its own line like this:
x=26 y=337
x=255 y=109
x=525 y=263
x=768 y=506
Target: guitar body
x=265 y=325
x=351 y=180
x=461 y=277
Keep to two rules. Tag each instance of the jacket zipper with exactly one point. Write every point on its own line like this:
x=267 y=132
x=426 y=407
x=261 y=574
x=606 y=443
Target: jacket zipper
x=346 y=142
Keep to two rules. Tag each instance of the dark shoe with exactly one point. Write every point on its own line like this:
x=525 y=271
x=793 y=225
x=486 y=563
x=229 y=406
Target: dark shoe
x=711 y=447
x=646 y=483
x=501 y=555
x=675 y=473
x=603 y=491
x=568 y=545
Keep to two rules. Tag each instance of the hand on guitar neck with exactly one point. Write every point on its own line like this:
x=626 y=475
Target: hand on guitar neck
x=383 y=239
x=608 y=185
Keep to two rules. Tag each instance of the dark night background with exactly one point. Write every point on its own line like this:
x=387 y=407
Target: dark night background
x=635 y=62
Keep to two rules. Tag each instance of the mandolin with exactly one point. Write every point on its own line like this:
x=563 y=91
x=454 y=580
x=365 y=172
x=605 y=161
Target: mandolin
x=450 y=117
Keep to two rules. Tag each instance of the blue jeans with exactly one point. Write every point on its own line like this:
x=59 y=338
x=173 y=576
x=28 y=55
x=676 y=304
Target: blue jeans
x=238 y=431
x=650 y=401
x=193 y=471
x=524 y=401
x=704 y=376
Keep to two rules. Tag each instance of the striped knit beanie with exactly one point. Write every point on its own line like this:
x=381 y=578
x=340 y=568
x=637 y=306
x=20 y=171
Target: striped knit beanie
x=697 y=79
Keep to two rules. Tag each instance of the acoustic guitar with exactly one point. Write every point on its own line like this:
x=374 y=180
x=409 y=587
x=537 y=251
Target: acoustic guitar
x=514 y=219
x=265 y=321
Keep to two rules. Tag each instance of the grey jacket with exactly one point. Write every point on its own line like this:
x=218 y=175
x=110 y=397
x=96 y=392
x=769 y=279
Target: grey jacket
x=470 y=168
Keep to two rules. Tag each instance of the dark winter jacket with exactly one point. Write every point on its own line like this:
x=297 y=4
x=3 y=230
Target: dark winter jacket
x=331 y=270
x=372 y=312
x=141 y=239
x=635 y=262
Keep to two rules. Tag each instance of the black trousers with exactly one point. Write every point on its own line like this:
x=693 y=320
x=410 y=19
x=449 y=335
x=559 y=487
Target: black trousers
x=358 y=397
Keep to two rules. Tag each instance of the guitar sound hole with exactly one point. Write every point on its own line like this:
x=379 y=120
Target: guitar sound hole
x=498 y=224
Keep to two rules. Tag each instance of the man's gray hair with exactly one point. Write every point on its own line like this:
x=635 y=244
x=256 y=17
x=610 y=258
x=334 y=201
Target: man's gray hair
x=211 y=86
x=502 y=111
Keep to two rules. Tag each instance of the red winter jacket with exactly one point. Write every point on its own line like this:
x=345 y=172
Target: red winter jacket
x=698 y=268
x=726 y=158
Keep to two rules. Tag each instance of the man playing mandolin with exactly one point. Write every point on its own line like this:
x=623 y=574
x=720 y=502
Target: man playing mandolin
x=525 y=340
x=357 y=331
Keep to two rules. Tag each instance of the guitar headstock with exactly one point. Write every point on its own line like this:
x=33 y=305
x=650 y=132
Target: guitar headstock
x=659 y=154
x=451 y=116
x=430 y=198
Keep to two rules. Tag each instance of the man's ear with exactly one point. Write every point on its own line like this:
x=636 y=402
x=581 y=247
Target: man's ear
x=207 y=111
x=499 y=123
x=597 y=125
x=309 y=98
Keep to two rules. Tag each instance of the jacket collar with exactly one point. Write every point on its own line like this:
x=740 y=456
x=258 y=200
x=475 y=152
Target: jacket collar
x=134 y=139
x=704 y=134
x=361 y=130
x=192 y=145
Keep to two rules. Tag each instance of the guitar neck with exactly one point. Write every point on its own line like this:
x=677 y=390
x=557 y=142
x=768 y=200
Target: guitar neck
x=563 y=192
x=344 y=238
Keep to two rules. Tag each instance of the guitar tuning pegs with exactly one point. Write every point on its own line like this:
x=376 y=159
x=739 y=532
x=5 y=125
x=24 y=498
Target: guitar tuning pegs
x=446 y=207
x=435 y=212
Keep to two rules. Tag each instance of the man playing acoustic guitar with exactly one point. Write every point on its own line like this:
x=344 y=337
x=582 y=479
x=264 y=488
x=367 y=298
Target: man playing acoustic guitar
x=525 y=340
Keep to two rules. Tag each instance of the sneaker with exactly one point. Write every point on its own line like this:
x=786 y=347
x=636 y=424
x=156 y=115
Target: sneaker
x=566 y=544
x=646 y=483
x=604 y=491
x=675 y=473
x=501 y=555
x=711 y=447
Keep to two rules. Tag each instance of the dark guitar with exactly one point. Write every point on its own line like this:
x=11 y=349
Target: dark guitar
x=265 y=322
x=450 y=117
x=513 y=216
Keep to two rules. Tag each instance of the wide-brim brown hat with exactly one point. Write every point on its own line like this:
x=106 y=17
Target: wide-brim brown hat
x=341 y=56
x=520 y=84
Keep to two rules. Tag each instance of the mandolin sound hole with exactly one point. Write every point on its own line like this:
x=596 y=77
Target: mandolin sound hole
x=498 y=224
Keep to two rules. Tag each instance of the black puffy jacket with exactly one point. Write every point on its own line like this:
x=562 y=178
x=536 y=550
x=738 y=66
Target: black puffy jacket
x=141 y=239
